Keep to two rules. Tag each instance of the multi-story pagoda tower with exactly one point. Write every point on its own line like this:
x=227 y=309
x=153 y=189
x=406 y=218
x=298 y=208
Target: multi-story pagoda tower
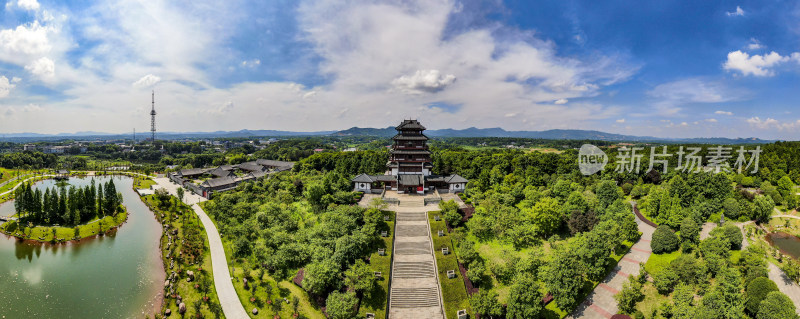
x=410 y=154
x=409 y=168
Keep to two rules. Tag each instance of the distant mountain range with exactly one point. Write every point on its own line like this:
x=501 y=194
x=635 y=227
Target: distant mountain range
x=383 y=132
x=550 y=135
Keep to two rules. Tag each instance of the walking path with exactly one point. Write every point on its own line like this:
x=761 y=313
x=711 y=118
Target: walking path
x=785 y=285
x=228 y=299
x=601 y=303
x=415 y=291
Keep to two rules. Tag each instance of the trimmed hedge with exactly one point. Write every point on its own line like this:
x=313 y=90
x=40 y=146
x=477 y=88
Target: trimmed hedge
x=664 y=240
x=757 y=291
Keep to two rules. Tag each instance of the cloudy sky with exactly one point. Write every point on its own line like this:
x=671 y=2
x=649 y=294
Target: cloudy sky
x=668 y=68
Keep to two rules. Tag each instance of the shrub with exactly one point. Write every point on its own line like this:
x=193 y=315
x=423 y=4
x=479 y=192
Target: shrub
x=341 y=305
x=731 y=207
x=756 y=291
x=665 y=280
x=664 y=240
x=630 y=294
x=690 y=231
x=776 y=305
x=730 y=234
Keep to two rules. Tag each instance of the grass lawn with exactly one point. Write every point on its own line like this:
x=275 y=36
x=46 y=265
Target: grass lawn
x=453 y=290
x=142 y=183
x=379 y=299
x=656 y=262
x=652 y=299
x=45 y=233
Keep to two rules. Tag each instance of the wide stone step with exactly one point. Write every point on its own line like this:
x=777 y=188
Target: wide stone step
x=414 y=297
x=412 y=248
x=411 y=230
x=411 y=203
x=412 y=217
x=413 y=269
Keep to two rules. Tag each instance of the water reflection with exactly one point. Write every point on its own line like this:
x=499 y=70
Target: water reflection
x=113 y=276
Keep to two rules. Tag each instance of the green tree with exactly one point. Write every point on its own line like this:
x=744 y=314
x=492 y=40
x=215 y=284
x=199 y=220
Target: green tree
x=180 y=194
x=690 y=231
x=664 y=240
x=630 y=294
x=756 y=291
x=665 y=280
x=776 y=306
x=684 y=302
x=731 y=208
x=563 y=277
x=607 y=193
x=450 y=211
x=546 y=215
x=485 y=304
x=341 y=305
x=321 y=276
x=763 y=206
x=360 y=278
x=525 y=298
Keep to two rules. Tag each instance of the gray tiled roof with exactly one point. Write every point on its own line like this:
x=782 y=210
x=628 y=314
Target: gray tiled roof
x=251 y=167
x=193 y=171
x=363 y=178
x=455 y=179
x=410 y=179
x=410 y=137
x=271 y=163
x=222 y=181
x=410 y=125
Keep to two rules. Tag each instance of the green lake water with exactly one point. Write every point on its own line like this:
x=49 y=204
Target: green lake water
x=786 y=243
x=116 y=276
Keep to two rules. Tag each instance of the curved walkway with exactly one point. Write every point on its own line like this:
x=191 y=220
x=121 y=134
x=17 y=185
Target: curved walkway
x=228 y=299
x=601 y=303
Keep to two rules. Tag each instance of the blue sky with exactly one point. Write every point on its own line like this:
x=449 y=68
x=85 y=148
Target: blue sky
x=659 y=68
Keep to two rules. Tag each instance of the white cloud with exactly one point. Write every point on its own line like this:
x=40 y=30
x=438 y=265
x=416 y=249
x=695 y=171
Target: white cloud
x=423 y=81
x=359 y=52
x=223 y=109
x=561 y=101
x=672 y=96
x=736 y=13
x=695 y=90
x=684 y=124
x=621 y=121
x=723 y=113
x=756 y=121
x=5 y=86
x=44 y=68
x=24 y=40
x=251 y=63
x=712 y=120
x=30 y=5
x=147 y=81
x=756 y=65
x=755 y=44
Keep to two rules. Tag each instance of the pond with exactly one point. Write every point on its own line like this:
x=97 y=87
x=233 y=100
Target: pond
x=115 y=276
x=788 y=244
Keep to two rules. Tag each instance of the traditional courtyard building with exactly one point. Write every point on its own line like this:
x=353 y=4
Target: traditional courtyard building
x=409 y=168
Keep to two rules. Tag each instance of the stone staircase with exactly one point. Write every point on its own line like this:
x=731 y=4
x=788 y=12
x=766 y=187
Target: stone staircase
x=415 y=291
x=415 y=297
x=412 y=201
